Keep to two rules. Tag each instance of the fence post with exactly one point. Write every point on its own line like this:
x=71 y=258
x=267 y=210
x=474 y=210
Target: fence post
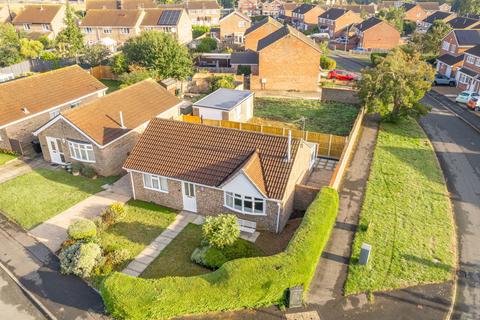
x=240 y=126
x=261 y=128
x=283 y=131
x=329 y=144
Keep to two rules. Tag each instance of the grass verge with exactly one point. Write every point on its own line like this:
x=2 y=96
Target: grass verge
x=113 y=85
x=41 y=194
x=406 y=215
x=323 y=117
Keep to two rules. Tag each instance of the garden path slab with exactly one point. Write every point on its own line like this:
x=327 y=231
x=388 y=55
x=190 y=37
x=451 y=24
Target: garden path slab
x=18 y=167
x=151 y=252
x=53 y=232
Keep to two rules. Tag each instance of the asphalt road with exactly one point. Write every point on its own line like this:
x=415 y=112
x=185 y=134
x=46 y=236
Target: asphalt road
x=457 y=145
x=348 y=62
x=13 y=302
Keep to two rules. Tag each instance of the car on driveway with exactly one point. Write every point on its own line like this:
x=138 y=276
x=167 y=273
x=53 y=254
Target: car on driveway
x=474 y=103
x=440 y=79
x=341 y=75
x=465 y=96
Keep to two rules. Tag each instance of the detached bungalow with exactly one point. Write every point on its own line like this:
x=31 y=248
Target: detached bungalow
x=225 y=104
x=464 y=23
x=214 y=170
x=27 y=103
x=100 y=134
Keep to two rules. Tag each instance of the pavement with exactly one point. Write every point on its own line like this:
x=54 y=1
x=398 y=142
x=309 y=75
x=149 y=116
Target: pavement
x=37 y=269
x=457 y=145
x=53 y=232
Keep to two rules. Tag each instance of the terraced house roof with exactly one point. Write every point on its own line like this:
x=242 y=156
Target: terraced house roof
x=111 y=18
x=333 y=13
x=100 y=119
x=197 y=5
x=437 y=15
x=211 y=155
x=37 y=14
x=31 y=95
x=161 y=17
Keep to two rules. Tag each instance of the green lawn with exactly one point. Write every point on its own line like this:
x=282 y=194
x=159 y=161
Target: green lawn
x=406 y=215
x=113 y=85
x=41 y=194
x=174 y=260
x=333 y=118
x=143 y=222
x=5 y=157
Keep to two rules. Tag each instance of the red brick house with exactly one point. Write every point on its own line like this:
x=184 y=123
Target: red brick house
x=287 y=60
x=375 y=33
x=453 y=46
x=233 y=27
x=27 y=103
x=213 y=170
x=260 y=30
x=335 y=21
x=426 y=23
x=468 y=77
x=305 y=16
x=286 y=11
x=100 y=134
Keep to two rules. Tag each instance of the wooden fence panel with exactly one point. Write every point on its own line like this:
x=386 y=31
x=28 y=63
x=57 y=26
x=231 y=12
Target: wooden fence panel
x=251 y=127
x=273 y=130
x=230 y=124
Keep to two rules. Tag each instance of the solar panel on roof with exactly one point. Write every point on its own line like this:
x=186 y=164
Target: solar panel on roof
x=169 y=18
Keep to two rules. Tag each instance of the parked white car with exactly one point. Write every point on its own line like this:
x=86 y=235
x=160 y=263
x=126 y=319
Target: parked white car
x=465 y=96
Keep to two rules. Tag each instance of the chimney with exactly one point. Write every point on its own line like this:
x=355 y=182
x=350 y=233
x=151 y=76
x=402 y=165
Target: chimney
x=289 y=148
x=122 y=125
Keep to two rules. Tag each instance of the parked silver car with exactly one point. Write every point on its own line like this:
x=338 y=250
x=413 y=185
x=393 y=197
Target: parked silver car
x=440 y=79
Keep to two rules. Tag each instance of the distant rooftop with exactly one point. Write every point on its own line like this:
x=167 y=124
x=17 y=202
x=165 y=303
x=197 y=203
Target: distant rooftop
x=224 y=99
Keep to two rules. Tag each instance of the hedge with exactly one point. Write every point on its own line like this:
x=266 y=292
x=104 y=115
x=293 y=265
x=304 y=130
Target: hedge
x=248 y=282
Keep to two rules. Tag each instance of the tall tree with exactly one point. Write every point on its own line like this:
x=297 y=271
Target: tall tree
x=429 y=42
x=69 y=41
x=394 y=16
x=466 y=7
x=95 y=54
x=159 y=52
x=9 y=45
x=30 y=48
x=394 y=87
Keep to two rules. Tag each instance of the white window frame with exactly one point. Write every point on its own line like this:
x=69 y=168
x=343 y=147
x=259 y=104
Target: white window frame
x=470 y=59
x=477 y=62
x=87 y=30
x=446 y=45
x=54 y=113
x=45 y=27
x=107 y=30
x=232 y=196
x=124 y=30
x=76 y=148
x=26 y=26
x=149 y=181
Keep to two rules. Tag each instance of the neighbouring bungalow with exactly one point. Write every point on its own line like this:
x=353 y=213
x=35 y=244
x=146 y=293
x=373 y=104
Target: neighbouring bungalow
x=260 y=30
x=464 y=23
x=225 y=104
x=426 y=23
x=468 y=77
x=172 y=21
x=214 y=170
x=233 y=27
x=286 y=11
x=27 y=103
x=453 y=46
x=414 y=12
x=111 y=27
x=119 y=4
x=375 y=33
x=287 y=60
x=40 y=20
x=335 y=21
x=101 y=134
x=203 y=12
x=305 y=16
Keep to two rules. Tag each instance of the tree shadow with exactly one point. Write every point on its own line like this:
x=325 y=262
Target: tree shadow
x=427 y=262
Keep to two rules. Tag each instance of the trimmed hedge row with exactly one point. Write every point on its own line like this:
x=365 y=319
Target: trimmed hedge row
x=249 y=282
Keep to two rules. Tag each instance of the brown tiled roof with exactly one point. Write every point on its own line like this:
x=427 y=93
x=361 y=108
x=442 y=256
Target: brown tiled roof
x=100 y=119
x=210 y=155
x=111 y=18
x=253 y=169
x=43 y=91
x=123 y=4
x=136 y=4
x=429 y=6
x=197 y=5
x=100 y=4
x=155 y=17
x=37 y=14
x=289 y=5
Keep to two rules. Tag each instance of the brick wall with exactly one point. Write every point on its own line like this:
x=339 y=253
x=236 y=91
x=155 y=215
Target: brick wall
x=285 y=69
x=230 y=25
x=304 y=195
x=380 y=36
x=345 y=20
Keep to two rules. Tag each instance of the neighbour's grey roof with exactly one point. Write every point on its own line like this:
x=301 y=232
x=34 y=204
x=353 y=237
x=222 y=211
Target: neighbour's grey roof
x=469 y=72
x=408 y=6
x=367 y=24
x=333 y=13
x=449 y=59
x=282 y=32
x=262 y=22
x=248 y=57
x=224 y=99
x=475 y=51
x=467 y=37
x=437 y=15
x=461 y=22
x=303 y=8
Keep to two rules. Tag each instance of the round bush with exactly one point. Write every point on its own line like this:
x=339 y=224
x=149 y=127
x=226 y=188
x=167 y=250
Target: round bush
x=82 y=229
x=80 y=259
x=327 y=63
x=221 y=231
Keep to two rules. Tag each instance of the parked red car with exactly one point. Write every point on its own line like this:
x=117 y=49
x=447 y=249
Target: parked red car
x=341 y=75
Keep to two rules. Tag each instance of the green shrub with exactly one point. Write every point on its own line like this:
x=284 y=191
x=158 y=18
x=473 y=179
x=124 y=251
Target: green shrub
x=88 y=172
x=77 y=167
x=217 y=82
x=222 y=230
x=113 y=214
x=327 y=63
x=197 y=31
x=82 y=229
x=377 y=57
x=249 y=282
x=80 y=259
x=206 y=45
x=245 y=70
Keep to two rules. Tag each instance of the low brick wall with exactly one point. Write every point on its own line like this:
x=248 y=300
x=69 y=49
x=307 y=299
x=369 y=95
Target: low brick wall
x=304 y=195
x=340 y=95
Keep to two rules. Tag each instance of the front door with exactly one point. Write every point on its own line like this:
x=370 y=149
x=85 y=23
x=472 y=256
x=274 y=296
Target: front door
x=189 y=199
x=56 y=150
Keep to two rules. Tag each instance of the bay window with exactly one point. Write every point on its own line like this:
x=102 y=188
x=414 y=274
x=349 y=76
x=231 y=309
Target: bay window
x=81 y=151
x=244 y=204
x=154 y=182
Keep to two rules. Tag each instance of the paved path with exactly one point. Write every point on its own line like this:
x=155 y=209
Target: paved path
x=37 y=269
x=18 y=167
x=332 y=269
x=458 y=148
x=53 y=232
x=151 y=252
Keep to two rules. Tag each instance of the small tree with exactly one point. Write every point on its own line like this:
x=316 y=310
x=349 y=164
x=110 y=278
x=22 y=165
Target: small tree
x=30 y=49
x=327 y=63
x=197 y=31
x=394 y=16
x=95 y=54
x=119 y=64
x=9 y=45
x=466 y=7
x=135 y=75
x=207 y=45
x=226 y=81
x=69 y=41
x=395 y=86
x=221 y=231
x=429 y=42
